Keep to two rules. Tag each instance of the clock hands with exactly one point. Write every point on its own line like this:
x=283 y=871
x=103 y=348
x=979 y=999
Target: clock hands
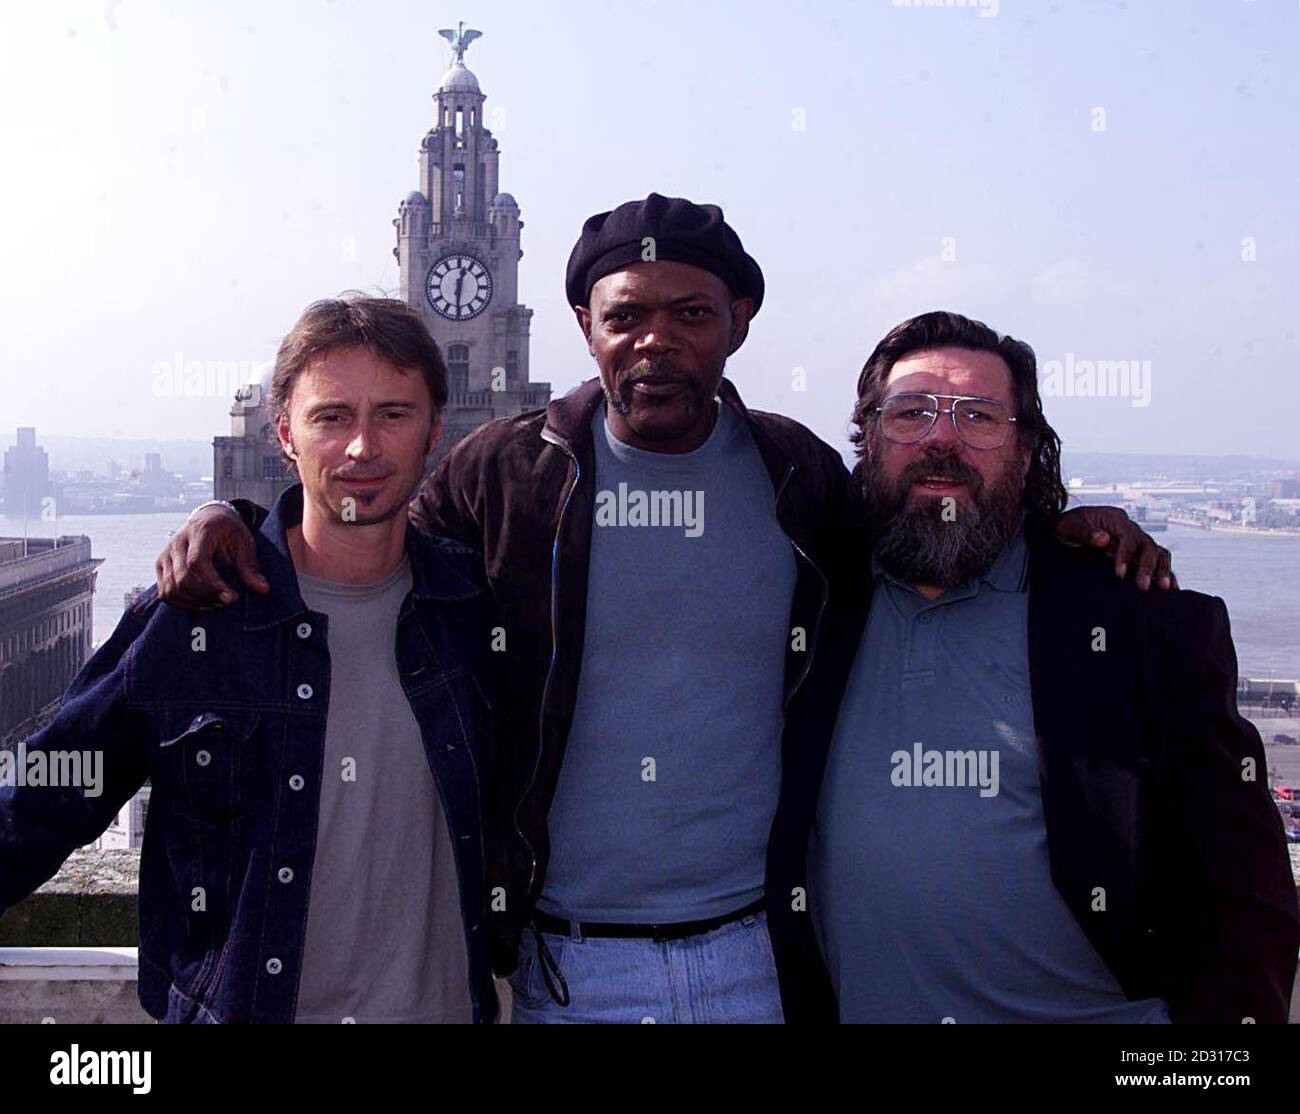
x=448 y=292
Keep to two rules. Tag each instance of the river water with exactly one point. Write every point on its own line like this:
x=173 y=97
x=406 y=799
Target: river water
x=1258 y=577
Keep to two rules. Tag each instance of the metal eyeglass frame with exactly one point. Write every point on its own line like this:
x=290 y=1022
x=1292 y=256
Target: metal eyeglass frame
x=952 y=413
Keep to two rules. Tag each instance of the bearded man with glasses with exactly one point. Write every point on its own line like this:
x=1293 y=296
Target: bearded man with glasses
x=1040 y=803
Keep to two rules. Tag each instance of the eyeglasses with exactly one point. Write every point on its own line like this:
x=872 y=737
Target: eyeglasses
x=981 y=423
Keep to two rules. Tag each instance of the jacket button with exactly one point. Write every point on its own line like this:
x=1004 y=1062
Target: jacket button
x=285 y=874
x=296 y=782
x=304 y=692
x=274 y=966
x=304 y=630
x=203 y=758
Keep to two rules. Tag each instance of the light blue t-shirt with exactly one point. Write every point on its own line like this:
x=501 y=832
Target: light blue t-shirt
x=930 y=883
x=672 y=768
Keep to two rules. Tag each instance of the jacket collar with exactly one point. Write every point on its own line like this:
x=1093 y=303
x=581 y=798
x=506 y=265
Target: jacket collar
x=432 y=575
x=568 y=419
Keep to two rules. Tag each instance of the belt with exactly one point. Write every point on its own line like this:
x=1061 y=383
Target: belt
x=676 y=930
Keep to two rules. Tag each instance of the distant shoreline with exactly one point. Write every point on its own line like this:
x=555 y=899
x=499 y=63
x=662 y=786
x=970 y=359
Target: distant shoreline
x=10 y=520
x=1228 y=528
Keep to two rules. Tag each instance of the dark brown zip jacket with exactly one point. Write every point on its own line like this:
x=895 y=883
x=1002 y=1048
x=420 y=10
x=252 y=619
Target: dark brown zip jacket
x=522 y=491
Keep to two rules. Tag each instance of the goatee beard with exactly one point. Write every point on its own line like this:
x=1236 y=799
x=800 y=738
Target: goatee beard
x=920 y=543
x=620 y=399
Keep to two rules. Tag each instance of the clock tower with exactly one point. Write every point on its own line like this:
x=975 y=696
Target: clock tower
x=458 y=254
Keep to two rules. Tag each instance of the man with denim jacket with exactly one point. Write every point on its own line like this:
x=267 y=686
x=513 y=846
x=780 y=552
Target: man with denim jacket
x=318 y=754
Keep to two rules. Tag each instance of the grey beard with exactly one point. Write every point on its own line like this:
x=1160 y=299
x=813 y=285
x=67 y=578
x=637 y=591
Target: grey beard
x=616 y=402
x=916 y=545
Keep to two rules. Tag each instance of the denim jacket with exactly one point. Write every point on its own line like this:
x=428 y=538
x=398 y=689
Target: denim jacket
x=224 y=712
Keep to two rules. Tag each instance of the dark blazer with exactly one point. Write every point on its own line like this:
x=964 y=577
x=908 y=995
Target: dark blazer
x=1155 y=791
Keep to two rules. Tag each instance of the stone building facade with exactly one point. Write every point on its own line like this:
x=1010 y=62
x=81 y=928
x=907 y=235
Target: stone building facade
x=46 y=626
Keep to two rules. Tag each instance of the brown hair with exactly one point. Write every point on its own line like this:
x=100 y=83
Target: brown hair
x=388 y=327
x=1044 y=495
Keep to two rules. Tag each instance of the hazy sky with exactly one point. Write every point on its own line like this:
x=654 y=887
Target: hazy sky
x=181 y=178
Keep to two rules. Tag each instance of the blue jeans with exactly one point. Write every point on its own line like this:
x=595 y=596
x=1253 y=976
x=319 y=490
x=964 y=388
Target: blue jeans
x=726 y=976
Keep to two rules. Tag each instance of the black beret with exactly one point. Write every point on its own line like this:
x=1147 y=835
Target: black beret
x=682 y=232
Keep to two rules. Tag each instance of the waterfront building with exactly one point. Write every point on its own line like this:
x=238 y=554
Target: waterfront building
x=26 y=476
x=46 y=626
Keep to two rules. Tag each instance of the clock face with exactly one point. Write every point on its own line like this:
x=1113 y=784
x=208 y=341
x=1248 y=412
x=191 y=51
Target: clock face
x=458 y=286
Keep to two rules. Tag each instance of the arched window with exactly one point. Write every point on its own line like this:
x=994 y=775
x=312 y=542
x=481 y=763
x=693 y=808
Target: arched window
x=457 y=368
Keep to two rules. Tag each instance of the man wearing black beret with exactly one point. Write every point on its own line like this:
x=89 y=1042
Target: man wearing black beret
x=661 y=560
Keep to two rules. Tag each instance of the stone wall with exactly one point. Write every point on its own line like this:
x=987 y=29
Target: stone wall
x=91 y=902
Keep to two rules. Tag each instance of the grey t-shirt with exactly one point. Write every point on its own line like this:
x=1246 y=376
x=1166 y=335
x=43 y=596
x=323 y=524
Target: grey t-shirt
x=673 y=763
x=385 y=941
x=931 y=887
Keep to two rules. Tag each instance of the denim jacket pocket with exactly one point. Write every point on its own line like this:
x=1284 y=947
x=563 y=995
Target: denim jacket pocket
x=455 y=707
x=211 y=759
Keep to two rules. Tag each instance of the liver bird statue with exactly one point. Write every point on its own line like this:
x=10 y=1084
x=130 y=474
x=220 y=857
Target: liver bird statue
x=460 y=40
